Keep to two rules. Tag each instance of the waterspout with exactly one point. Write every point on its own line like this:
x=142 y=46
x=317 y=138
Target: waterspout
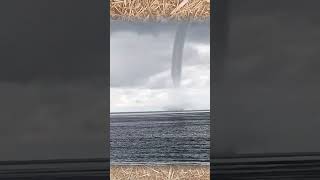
x=177 y=55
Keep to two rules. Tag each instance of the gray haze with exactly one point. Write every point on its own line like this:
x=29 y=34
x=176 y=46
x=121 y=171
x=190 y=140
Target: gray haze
x=198 y=31
x=52 y=80
x=267 y=98
x=141 y=63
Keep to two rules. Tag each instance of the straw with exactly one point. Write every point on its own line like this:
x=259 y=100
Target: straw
x=159 y=10
x=160 y=172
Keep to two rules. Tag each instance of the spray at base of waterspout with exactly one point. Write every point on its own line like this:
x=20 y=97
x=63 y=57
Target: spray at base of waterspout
x=177 y=100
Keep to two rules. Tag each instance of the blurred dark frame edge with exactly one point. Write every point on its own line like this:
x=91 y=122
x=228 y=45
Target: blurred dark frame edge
x=69 y=169
x=248 y=166
x=218 y=34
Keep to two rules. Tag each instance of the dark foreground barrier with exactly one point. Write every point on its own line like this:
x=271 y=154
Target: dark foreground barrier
x=55 y=169
x=271 y=166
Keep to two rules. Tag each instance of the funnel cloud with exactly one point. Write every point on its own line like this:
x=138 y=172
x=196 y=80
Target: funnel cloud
x=148 y=76
x=178 y=53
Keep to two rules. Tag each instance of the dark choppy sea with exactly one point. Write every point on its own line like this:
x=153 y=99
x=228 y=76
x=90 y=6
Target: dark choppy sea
x=160 y=137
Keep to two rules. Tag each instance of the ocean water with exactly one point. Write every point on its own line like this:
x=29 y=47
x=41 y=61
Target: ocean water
x=160 y=137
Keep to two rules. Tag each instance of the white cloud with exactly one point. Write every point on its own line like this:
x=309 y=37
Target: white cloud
x=158 y=93
x=143 y=99
x=147 y=59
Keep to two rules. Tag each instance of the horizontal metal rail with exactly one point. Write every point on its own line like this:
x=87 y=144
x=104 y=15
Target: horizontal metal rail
x=267 y=166
x=56 y=169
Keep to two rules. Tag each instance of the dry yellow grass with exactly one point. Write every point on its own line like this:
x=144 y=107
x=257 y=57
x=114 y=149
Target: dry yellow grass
x=159 y=9
x=160 y=172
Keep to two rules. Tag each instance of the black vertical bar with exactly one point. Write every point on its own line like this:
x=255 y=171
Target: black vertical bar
x=107 y=37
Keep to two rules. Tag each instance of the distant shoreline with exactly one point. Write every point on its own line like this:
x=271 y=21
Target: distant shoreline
x=151 y=112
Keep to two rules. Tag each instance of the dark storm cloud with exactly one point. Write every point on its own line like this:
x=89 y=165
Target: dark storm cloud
x=140 y=66
x=197 y=32
x=53 y=66
x=135 y=46
x=267 y=97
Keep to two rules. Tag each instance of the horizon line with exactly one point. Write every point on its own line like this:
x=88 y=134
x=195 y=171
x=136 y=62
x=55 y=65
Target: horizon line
x=178 y=111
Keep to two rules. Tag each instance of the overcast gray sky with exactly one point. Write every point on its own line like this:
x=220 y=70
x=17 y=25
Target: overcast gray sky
x=140 y=67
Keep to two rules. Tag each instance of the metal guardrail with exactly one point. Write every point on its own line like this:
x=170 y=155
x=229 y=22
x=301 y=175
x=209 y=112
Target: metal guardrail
x=55 y=169
x=267 y=166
